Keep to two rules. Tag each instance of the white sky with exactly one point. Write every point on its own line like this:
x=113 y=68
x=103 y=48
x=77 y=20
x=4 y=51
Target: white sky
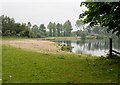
x=42 y=11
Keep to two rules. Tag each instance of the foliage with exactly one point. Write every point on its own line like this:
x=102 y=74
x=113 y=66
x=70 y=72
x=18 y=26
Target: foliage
x=66 y=48
x=79 y=24
x=0 y=26
x=35 y=31
x=42 y=28
x=52 y=29
x=29 y=25
x=59 y=29
x=97 y=31
x=10 y=28
x=104 y=14
x=67 y=27
x=83 y=35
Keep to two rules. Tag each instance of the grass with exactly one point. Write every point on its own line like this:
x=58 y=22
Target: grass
x=0 y=60
x=60 y=38
x=0 y=64
x=14 y=38
x=74 y=38
x=22 y=66
x=47 y=38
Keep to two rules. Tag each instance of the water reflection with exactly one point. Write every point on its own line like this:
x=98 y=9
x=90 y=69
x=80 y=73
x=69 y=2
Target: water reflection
x=97 y=47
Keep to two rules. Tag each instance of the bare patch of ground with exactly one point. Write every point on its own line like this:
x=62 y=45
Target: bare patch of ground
x=35 y=45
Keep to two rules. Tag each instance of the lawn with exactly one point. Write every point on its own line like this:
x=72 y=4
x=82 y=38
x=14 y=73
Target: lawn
x=24 y=66
x=0 y=64
x=0 y=60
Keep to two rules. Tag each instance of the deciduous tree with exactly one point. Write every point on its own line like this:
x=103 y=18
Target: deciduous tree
x=104 y=14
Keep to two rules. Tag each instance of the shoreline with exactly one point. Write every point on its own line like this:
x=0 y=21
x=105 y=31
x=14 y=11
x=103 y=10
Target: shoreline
x=40 y=46
x=34 y=45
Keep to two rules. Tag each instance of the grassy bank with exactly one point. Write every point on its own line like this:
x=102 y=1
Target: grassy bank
x=74 y=38
x=47 y=38
x=14 y=38
x=0 y=63
x=21 y=66
x=53 y=38
x=60 y=38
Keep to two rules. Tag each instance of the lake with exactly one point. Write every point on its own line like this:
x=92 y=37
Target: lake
x=95 y=47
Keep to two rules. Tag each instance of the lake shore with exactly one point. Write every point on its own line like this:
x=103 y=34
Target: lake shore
x=55 y=44
x=34 y=45
x=61 y=38
x=72 y=38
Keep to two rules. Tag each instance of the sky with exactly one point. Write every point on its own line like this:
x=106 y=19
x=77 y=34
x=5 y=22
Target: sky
x=42 y=11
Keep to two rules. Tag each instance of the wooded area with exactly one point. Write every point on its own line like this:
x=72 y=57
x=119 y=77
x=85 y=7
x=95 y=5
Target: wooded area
x=10 y=28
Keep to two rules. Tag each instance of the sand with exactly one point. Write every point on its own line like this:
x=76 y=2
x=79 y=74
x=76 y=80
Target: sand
x=34 y=45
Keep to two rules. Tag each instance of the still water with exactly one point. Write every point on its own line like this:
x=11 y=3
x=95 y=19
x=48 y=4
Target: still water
x=95 y=47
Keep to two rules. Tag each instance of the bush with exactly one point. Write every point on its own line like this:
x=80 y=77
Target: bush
x=66 y=48
x=13 y=33
x=7 y=33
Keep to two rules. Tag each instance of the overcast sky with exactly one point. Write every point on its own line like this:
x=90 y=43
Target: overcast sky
x=42 y=11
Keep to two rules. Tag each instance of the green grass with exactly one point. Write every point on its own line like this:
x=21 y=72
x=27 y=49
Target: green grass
x=60 y=38
x=14 y=38
x=21 y=66
x=74 y=38
x=0 y=60
x=0 y=64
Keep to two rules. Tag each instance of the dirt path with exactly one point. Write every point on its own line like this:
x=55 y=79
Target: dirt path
x=35 y=45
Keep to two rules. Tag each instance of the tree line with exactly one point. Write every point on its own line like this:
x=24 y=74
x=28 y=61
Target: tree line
x=8 y=27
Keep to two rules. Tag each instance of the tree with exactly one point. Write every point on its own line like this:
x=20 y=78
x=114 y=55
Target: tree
x=67 y=27
x=105 y=14
x=42 y=29
x=13 y=33
x=79 y=24
x=10 y=28
x=18 y=28
x=59 y=29
x=35 y=30
x=50 y=28
x=7 y=33
x=54 y=29
x=7 y=24
x=0 y=25
x=29 y=25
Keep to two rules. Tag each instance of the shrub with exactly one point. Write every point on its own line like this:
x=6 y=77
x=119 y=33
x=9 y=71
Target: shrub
x=66 y=48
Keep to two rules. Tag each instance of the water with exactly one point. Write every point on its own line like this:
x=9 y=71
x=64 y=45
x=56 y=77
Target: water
x=95 y=47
